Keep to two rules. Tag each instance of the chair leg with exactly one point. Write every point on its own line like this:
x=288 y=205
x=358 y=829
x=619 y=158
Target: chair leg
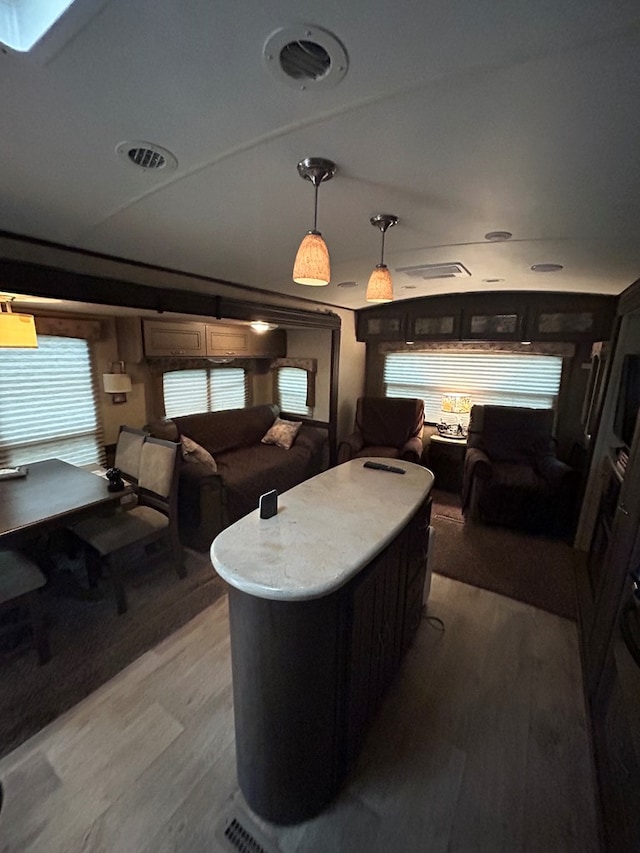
x=118 y=586
x=39 y=628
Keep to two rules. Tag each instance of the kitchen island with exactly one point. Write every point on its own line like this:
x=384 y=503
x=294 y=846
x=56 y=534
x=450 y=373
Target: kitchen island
x=324 y=599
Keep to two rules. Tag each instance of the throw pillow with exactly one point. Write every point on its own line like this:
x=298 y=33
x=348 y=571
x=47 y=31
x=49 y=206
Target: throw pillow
x=282 y=433
x=194 y=452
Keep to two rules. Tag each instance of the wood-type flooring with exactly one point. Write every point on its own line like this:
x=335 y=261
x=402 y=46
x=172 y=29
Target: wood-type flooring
x=481 y=745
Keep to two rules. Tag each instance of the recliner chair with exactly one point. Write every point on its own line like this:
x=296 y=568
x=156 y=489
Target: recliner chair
x=385 y=426
x=512 y=476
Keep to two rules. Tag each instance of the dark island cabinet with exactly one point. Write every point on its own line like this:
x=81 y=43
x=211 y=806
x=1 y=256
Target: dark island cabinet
x=308 y=676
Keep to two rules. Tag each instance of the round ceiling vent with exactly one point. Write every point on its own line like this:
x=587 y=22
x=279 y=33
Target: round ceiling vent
x=305 y=57
x=498 y=236
x=146 y=156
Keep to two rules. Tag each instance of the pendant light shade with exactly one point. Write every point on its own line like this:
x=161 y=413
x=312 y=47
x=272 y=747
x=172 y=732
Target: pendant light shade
x=16 y=330
x=312 y=261
x=312 y=265
x=380 y=286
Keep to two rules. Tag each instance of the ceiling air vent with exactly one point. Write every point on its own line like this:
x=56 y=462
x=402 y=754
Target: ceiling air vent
x=305 y=57
x=430 y=271
x=146 y=156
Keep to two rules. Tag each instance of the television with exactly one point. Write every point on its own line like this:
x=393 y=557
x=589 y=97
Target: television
x=628 y=403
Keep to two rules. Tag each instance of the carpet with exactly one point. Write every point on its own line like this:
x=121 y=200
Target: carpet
x=529 y=568
x=90 y=643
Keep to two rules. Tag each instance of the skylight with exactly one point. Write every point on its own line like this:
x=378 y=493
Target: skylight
x=24 y=22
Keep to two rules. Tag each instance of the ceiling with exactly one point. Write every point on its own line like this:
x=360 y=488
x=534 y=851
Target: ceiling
x=459 y=116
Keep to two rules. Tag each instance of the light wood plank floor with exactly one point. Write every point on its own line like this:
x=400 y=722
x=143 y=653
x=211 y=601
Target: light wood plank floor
x=481 y=745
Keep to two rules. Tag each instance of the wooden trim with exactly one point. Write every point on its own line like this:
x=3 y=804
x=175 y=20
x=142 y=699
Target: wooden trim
x=333 y=396
x=52 y=282
x=74 y=250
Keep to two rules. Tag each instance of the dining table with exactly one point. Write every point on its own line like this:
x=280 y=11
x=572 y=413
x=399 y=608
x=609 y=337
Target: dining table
x=53 y=495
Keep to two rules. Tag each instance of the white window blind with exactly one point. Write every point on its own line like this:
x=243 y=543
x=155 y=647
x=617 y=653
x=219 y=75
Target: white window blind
x=292 y=391
x=48 y=405
x=496 y=379
x=187 y=392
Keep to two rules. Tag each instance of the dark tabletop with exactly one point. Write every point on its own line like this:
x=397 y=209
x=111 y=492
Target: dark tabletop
x=53 y=493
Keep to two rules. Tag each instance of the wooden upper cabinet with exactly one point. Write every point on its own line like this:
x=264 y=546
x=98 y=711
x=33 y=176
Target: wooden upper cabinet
x=227 y=340
x=197 y=340
x=174 y=339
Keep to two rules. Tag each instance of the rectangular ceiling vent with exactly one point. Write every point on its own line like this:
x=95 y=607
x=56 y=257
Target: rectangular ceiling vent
x=429 y=271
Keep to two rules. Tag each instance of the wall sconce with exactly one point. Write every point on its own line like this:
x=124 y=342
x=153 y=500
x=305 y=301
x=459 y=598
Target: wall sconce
x=117 y=383
x=16 y=330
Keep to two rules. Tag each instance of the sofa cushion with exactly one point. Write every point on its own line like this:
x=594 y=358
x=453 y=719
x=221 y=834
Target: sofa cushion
x=282 y=433
x=249 y=472
x=221 y=431
x=193 y=452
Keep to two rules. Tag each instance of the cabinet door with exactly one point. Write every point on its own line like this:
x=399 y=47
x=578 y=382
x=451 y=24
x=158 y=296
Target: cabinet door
x=227 y=340
x=170 y=339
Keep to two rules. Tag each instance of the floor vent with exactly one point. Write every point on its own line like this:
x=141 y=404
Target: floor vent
x=240 y=835
x=429 y=271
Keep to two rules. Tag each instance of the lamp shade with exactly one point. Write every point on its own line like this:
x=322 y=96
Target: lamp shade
x=17 y=330
x=456 y=404
x=380 y=286
x=116 y=383
x=312 y=261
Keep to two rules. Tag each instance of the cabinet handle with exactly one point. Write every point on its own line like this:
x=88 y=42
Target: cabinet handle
x=177 y=352
x=623 y=509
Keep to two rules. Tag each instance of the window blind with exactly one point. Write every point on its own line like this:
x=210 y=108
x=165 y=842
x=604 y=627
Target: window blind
x=497 y=379
x=187 y=392
x=292 y=391
x=48 y=406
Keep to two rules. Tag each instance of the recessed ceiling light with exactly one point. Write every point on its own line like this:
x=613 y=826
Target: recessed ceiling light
x=546 y=267
x=492 y=280
x=347 y=284
x=498 y=236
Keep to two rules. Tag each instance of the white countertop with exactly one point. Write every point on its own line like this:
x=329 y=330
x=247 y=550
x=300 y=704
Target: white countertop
x=326 y=530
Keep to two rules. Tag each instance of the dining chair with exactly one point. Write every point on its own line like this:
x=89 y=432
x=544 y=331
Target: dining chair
x=108 y=539
x=128 y=450
x=20 y=584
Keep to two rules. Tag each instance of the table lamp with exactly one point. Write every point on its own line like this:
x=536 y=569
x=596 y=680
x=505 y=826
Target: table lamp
x=455 y=404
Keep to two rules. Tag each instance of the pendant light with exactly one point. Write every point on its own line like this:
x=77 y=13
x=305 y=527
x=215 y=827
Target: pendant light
x=312 y=261
x=380 y=286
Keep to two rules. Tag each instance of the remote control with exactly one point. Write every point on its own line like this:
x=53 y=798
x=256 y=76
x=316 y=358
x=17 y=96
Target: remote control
x=380 y=466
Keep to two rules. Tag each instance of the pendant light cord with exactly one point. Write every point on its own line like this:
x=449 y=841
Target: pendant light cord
x=315 y=207
x=382 y=251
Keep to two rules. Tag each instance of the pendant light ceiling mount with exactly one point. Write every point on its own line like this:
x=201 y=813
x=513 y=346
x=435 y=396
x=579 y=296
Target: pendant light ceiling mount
x=312 y=266
x=380 y=286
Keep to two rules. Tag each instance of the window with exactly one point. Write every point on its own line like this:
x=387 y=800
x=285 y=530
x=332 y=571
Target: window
x=498 y=379
x=292 y=383
x=48 y=404
x=207 y=389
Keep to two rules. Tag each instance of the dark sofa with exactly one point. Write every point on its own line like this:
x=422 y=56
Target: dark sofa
x=512 y=476
x=207 y=501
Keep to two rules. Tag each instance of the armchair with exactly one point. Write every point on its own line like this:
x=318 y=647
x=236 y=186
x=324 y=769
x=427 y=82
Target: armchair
x=385 y=426
x=511 y=473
